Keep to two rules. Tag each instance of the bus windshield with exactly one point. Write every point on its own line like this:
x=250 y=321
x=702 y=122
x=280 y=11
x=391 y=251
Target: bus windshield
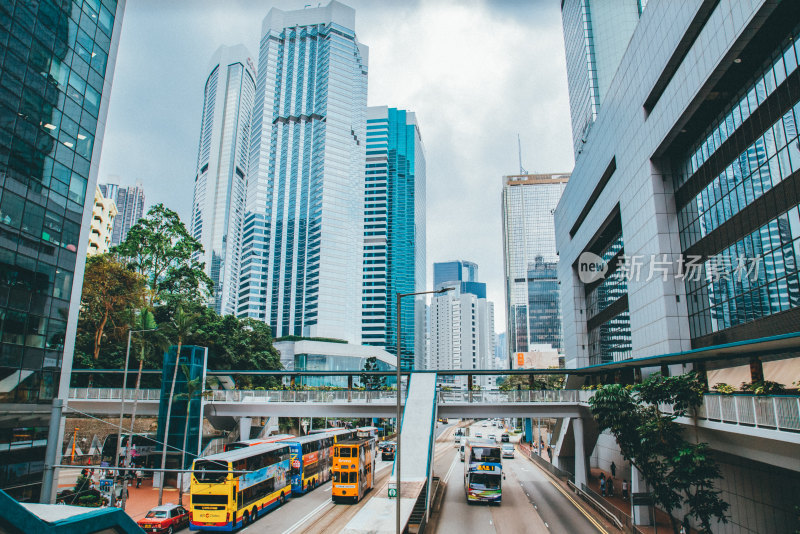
x=485 y=454
x=484 y=481
x=344 y=452
x=204 y=471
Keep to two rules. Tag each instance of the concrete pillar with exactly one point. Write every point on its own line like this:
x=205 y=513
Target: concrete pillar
x=581 y=468
x=245 y=423
x=639 y=513
x=528 y=424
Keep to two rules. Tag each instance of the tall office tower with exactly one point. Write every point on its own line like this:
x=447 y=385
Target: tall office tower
x=394 y=233
x=596 y=34
x=461 y=331
x=533 y=316
x=56 y=65
x=501 y=351
x=130 y=206
x=688 y=191
x=450 y=271
x=304 y=213
x=222 y=158
x=110 y=188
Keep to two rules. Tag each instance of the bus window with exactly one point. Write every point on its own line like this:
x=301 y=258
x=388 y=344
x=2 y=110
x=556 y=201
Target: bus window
x=336 y=476
x=344 y=452
x=353 y=477
x=203 y=471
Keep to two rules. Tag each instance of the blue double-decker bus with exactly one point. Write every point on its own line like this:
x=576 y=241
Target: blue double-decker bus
x=312 y=457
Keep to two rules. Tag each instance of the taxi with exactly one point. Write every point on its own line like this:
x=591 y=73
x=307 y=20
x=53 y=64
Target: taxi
x=166 y=518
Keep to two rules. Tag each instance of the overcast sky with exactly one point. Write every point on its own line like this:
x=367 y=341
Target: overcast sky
x=477 y=73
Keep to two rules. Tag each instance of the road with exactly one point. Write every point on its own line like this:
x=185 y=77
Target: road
x=314 y=512
x=531 y=502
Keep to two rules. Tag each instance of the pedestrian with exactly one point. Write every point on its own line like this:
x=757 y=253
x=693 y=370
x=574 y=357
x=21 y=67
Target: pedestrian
x=603 y=484
x=139 y=476
x=613 y=469
x=610 y=486
x=625 y=490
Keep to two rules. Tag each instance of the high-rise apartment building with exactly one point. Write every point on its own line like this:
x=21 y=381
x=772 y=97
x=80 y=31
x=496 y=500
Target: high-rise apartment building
x=222 y=164
x=56 y=65
x=596 y=34
x=394 y=233
x=130 y=206
x=679 y=233
x=533 y=314
x=303 y=230
x=102 y=225
x=461 y=325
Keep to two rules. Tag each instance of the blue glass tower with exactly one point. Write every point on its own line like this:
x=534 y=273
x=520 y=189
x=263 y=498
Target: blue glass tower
x=302 y=234
x=394 y=233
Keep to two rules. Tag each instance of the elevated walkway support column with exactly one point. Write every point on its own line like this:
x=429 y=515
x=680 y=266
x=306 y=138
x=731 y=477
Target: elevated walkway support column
x=639 y=513
x=245 y=424
x=580 y=453
x=528 y=425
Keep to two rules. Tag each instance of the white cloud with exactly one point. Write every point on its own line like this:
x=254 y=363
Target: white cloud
x=476 y=74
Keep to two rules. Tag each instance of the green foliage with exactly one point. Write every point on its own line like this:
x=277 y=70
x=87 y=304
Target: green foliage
x=537 y=382
x=680 y=473
x=764 y=387
x=724 y=389
x=159 y=248
x=110 y=293
x=160 y=254
x=372 y=381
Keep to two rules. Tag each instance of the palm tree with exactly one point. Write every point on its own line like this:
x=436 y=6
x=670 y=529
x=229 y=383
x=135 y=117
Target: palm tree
x=181 y=327
x=192 y=387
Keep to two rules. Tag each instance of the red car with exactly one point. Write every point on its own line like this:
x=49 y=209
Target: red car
x=167 y=518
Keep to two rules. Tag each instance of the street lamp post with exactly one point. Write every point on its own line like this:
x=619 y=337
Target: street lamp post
x=397 y=456
x=122 y=408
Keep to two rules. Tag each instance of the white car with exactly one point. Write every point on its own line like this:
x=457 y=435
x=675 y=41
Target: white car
x=478 y=435
x=507 y=450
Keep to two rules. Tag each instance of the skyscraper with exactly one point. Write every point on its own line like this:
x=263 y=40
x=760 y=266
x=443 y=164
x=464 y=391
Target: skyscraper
x=304 y=214
x=529 y=245
x=56 y=65
x=222 y=158
x=130 y=207
x=394 y=233
x=461 y=324
x=596 y=34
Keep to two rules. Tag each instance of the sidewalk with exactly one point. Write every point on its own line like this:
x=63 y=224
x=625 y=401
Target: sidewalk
x=663 y=523
x=142 y=500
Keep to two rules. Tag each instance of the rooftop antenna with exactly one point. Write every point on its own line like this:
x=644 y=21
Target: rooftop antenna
x=519 y=146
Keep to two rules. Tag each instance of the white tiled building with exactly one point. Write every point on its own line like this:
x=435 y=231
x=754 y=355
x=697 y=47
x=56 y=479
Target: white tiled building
x=693 y=151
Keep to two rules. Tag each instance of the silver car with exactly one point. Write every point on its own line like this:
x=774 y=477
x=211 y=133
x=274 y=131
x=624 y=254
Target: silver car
x=507 y=450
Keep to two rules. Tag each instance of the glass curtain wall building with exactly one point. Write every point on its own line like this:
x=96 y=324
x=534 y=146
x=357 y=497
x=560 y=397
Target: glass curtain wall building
x=529 y=254
x=56 y=64
x=219 y=183
x=304 y=211
x=394 y=233
x=596 y=34
x=130 y=208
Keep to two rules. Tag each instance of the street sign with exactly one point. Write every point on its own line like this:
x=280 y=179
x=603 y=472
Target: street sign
x=392 y=490
x=105 y=484
x=641 y=499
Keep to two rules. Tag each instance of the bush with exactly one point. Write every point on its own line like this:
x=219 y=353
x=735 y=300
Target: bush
x=764 y=387
x=724 y=389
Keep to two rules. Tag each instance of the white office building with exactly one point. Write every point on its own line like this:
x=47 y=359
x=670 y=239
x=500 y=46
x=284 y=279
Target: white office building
x=304 y=211
x=219 y=182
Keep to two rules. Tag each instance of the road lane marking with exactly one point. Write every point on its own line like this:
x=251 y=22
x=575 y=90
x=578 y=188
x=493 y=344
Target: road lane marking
x=308 y=516
x=450 y=471
x=579 y=507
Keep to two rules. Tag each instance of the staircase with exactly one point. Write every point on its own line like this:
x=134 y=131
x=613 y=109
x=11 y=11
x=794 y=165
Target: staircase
x=418 y=521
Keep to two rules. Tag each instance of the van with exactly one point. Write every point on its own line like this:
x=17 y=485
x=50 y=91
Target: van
x=457 y=441
x=462 y=452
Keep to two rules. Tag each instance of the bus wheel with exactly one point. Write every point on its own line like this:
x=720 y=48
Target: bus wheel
x=283 y=499
x=245 y=519
x=254 y=515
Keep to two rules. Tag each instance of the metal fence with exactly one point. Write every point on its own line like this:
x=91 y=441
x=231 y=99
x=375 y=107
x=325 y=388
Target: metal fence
x=776 y=412
x=113 y=394
x=515 y=396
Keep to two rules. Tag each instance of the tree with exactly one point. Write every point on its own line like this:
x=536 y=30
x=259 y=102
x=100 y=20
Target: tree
x=680 y=472
x=160 y=248
x=372 y=381
x=181 y=326
x=110 y=291
x=193 y=387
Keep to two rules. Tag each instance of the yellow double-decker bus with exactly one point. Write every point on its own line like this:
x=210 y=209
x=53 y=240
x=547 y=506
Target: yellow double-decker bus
x=232 y=489
x=353 y=469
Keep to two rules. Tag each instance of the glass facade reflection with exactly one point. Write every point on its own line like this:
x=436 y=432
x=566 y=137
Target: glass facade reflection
x=219 y=184
x=743 y=276
x=54 y=61
x=609 y=322
x=529 y=239
x=544 y=318
x=304 y=214
x=394 y=233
